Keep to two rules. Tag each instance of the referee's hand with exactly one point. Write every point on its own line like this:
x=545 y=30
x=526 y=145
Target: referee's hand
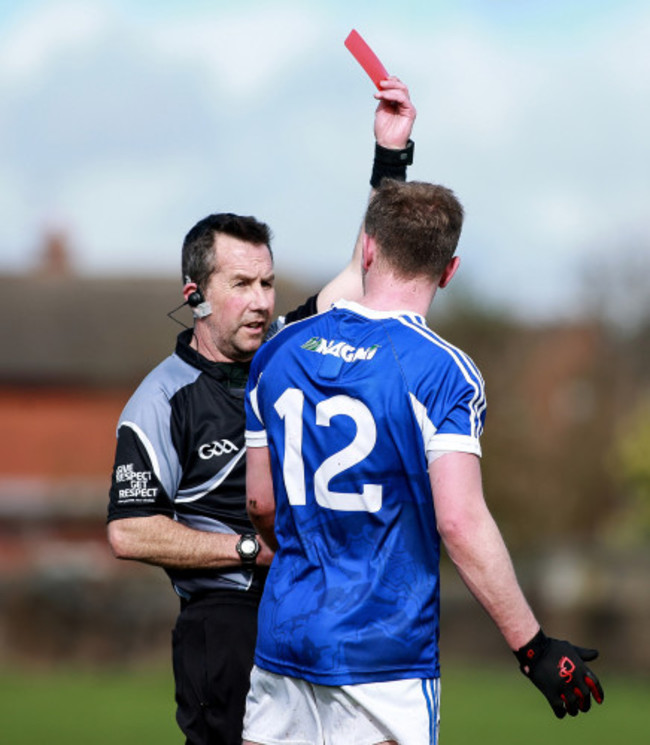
x=558 y=669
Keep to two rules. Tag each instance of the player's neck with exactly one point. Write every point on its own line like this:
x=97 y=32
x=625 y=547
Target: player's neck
x=392 y=293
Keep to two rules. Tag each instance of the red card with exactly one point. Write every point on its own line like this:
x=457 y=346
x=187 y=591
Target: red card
x=366 y=58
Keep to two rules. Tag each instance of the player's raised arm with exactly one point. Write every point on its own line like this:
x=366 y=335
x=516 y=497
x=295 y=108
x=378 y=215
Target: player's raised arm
x=393 y=125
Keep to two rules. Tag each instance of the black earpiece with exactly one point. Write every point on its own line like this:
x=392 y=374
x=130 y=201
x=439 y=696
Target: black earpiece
x=196 y=298
x=196 y=301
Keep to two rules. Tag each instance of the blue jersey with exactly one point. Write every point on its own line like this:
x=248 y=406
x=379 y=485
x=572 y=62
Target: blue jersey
x=353 y=405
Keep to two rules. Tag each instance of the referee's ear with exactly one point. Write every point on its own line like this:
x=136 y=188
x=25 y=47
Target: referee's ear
x=449 y=271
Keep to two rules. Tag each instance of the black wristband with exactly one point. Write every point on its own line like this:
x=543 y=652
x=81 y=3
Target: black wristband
x=528 y=655
x=391 y=163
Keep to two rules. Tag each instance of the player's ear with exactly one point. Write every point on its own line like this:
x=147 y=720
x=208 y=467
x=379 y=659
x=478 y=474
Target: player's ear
x=368 y=251
x=449 y=271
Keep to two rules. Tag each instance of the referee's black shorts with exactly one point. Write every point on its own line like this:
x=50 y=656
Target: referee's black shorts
x=213 y=649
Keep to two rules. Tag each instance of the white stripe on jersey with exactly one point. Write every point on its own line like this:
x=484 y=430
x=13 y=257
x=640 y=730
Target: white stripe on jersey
x=189 y=495
x=253 y=399
x=147 y=446
x=442 y=443
x=427 y=427
x=465 y=365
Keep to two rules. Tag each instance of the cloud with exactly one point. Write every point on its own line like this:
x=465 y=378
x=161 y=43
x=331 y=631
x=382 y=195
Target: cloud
x=46 y=32
x=242 y=51
x=130 y=128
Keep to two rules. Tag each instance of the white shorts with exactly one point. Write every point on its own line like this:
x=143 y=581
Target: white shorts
x=287 y=711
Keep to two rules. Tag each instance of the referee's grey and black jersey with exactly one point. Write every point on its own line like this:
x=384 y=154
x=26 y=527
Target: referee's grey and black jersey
x=181 y=453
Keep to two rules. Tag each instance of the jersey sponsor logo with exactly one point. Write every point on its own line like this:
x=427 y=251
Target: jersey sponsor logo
x=139 y=489
x=340 y=349
x=216 y=448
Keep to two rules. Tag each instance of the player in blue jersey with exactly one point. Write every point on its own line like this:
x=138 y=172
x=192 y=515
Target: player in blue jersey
x=363 y=430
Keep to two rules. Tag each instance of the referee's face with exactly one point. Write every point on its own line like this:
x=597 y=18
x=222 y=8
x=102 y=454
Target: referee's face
x=241 y=293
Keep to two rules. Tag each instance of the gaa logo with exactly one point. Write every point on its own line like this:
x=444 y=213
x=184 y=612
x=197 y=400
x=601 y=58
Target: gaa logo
x=216 y=448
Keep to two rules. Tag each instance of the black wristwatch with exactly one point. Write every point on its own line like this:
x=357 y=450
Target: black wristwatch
x=248 y=547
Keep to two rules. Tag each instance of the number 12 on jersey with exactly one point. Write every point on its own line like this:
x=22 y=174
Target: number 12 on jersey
x=290 y=407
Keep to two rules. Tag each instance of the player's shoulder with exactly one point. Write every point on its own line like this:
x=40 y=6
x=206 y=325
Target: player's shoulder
x=429 y=350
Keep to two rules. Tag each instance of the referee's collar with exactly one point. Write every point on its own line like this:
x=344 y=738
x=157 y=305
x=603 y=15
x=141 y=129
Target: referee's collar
x=231 y=374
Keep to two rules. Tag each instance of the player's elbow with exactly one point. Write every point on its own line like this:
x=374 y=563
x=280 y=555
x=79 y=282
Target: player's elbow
x=259 y=514
x=468 y=534
x=460 y=529
x=452 y=529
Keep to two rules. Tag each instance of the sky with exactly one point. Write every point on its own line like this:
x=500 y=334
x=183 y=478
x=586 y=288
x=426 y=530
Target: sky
x=123 y=123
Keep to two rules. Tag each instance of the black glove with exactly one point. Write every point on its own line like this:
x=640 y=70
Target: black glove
x=558 y=669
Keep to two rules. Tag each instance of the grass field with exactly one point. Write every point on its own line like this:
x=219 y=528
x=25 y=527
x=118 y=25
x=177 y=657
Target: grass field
x=481 y=707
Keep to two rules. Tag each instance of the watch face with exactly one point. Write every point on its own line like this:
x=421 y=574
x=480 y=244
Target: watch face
x=248 y=547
